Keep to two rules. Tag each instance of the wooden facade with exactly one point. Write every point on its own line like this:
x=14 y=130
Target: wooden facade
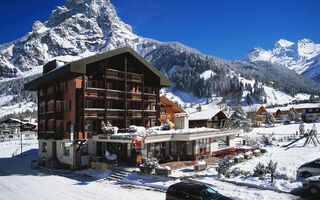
x=216 y=120
x=119 y=87
x=168 y=109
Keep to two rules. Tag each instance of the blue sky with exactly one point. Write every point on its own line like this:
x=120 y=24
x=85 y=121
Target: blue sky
x=227 y=28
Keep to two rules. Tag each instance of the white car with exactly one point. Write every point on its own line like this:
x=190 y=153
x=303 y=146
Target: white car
x=309 y=169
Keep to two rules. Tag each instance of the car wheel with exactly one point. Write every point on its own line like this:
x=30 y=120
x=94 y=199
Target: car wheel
x=313 y=190
x=305 y=174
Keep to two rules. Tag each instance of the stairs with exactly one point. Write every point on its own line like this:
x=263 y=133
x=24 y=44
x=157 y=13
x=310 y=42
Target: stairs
x=118 y=175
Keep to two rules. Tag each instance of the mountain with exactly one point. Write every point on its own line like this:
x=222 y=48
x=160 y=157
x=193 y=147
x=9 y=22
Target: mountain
x=82 y=28
x=302 y=56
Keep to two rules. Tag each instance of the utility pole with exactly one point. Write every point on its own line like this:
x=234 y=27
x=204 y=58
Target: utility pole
x=21 y=143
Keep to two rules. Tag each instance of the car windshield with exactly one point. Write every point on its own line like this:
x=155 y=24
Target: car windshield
x=209 y=194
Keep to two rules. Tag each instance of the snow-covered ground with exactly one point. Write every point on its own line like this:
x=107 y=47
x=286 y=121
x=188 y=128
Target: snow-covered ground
x=289 y=159
x=19 y=181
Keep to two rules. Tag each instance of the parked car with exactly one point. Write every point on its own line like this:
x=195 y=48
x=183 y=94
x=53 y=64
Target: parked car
x=193 y=191
x=309 y=169
x=312 y=185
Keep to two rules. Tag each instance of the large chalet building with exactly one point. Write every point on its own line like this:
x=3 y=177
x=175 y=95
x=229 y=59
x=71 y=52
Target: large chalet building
x=119 y=87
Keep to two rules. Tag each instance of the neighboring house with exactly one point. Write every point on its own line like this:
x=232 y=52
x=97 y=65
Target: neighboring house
x=13 y=126
x=10 y=126
x=168 y=109
x=208 y=118
x=257 y=115
x=119 y=87
x=309 y=112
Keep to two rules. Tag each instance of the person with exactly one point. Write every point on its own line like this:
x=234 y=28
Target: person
x=139 y=159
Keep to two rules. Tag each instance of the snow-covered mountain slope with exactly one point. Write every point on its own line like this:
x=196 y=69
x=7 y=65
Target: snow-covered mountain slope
x=82 y=28
x=302 y=56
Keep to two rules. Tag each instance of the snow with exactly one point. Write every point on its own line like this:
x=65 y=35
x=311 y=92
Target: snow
x=203 y=115
x=173 y=69
x=19 y=181
x=156 y=131
x=313 y=178
x=274 y=96
x=26 y=183
x=300 y=56
x=288 y=159
x=285 y=43
x=207 y=74
x=20 y=107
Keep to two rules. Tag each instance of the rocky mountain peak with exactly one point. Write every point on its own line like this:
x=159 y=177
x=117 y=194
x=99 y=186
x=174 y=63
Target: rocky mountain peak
x=282 y=43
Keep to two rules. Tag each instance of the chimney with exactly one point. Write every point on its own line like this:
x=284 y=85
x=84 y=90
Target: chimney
x=181 y=120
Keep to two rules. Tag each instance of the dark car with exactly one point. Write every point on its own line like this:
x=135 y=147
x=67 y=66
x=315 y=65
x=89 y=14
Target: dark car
x=312 y=185
x=192 y=191
x=309 y=169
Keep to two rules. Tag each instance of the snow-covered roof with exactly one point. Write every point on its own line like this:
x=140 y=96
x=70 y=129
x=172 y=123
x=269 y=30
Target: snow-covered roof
x=253 y=108
x=203 y=115
x=295 y=106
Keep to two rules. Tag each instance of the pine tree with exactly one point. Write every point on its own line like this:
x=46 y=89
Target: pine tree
x=291 y=115
x=302 y=130
x=271 y=168
x=238 y=118
x=269 y=119
x=312 y=98
x=199 y=108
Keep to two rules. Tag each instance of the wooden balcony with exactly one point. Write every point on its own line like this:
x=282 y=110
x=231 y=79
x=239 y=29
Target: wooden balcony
x=150 y=97
x=99 y=113
x=94 y=93
x=150 y=114
x=113 y=74
x=50 y=135
x=134 y=96
x=51 y=115
x=134 y=78
x=164 y=116
x=52 y=96
x=115 y=94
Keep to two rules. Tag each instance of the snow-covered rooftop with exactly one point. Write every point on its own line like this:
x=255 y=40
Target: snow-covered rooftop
x=203 y=115
x=295 y=106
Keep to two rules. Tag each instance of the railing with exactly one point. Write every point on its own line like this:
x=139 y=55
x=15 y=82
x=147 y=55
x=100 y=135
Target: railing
x=57 y=96
x=150 y=97
x=134 y=96
x=50 y=135
x=115 y=74
x=94 y=93
x=116 y=95
x=134 y=78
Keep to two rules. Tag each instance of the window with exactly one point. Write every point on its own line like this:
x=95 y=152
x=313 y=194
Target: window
x=89 y=104
x=44 y=147
x=66 y=86
x=88 y=126
x=189 y=148
x=68 y=106
x=223 y=141
x=68 y=126
x=61 y=126
x=66 y=150
x=153 y=122
x=84 y=149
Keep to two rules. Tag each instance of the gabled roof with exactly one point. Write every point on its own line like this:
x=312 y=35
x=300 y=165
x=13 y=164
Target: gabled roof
x=167 y=102
x=78 y=67
x=203 y=115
